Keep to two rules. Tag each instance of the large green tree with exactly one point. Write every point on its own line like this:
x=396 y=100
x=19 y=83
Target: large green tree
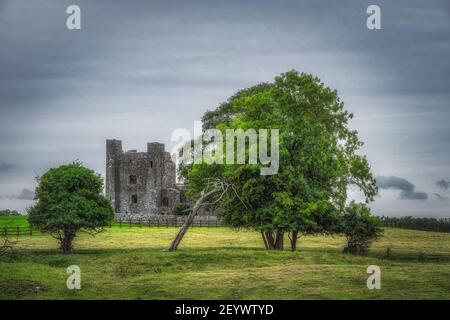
x=318 y=160
x=69 y=199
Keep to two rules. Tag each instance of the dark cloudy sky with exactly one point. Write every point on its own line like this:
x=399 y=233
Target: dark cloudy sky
x=137 y=70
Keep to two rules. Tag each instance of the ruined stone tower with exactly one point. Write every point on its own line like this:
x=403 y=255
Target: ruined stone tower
x=140 y=183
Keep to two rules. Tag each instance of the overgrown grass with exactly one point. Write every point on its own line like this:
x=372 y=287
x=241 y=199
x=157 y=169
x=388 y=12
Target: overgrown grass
x=220 y=263
x=13 y=221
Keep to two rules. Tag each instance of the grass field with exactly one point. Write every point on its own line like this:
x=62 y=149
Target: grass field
x=220 y=263
x=13 y=221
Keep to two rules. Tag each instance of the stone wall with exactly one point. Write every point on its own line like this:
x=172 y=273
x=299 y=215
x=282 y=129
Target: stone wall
x=155 y=219
x=140 y=183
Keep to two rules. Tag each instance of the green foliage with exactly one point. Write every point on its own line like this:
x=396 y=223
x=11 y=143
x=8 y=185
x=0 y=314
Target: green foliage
x=318 y=158
x=180 y=209
x=360 y=228
x=69 y=200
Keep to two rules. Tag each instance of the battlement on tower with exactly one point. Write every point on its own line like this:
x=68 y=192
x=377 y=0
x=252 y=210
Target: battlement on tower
x=140 y=182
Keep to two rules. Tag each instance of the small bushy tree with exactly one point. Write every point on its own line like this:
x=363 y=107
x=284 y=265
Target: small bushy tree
x=180 y=209
x=360 y=228
x=69 y=200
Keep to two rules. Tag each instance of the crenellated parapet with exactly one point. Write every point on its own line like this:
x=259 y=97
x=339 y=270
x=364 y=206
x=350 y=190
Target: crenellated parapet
x=140 y=183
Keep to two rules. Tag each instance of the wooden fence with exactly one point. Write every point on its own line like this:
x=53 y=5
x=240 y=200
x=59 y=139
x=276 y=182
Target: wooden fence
x=168 y=221
x=162 y=221
x=16 y=231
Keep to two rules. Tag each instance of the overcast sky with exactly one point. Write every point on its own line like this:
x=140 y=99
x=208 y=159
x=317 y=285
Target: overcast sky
x=137 y=70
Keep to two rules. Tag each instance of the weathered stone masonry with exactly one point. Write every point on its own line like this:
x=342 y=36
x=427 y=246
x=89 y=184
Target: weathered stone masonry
x=141 y=183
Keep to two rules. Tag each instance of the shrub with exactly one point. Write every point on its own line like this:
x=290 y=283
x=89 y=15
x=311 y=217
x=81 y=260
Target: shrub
x=360 y=228
x=180 y=209
x=69 y=199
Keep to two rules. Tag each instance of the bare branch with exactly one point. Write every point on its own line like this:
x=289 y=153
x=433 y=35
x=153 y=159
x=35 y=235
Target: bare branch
x=7 y=246
x=214 y=188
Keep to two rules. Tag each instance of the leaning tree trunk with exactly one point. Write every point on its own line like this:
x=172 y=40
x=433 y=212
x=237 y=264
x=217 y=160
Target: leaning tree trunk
x=200 y=202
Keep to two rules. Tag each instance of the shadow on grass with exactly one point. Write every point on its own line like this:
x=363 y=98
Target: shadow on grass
x=196 y=259
x=18 y=288
x=411 y=256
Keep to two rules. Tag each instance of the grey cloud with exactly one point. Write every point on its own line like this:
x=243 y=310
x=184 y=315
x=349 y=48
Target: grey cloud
x=4 y=166
x=413 y=195
x=26 y=194
x=406 y=187
x=152 y=43
x=440 y=197
x=444 y=184
x=394 y=182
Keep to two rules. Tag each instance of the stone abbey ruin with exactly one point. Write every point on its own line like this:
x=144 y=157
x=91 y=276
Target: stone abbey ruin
x=141 y=183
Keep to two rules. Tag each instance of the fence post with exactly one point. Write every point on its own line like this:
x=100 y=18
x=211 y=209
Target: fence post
x=18 y=230
x=5 y=231
x=130 y=222
x=31 y=230
x=120 y=223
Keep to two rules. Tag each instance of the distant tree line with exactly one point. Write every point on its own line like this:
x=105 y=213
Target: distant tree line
x=425 y=224
x=8 y=212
